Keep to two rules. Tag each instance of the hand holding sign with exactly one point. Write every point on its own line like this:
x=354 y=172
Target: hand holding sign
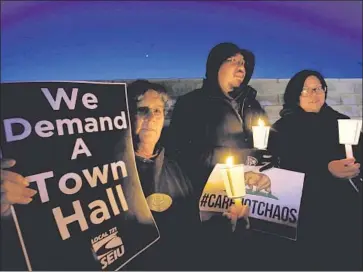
x=13 y=187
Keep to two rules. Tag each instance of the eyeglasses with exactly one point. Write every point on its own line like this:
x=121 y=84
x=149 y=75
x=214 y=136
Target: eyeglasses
x=309 y=91
x=235 y=61
x=145 y=111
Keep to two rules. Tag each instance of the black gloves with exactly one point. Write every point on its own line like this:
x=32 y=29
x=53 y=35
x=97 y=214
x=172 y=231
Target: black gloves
x=265 y=158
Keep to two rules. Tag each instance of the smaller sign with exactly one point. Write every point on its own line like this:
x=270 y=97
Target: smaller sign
x=274 y=198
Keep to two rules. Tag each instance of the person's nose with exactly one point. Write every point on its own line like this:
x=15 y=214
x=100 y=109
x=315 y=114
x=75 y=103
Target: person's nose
x=241 y=68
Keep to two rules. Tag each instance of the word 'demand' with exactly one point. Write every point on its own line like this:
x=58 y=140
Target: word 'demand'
x=45 y=128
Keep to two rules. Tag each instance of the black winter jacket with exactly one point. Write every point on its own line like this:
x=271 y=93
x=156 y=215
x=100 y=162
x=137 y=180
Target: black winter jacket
x=207 y=126
x=330 y=219
x=178 y=225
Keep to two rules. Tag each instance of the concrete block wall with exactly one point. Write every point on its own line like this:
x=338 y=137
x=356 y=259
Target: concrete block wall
x=344 y=95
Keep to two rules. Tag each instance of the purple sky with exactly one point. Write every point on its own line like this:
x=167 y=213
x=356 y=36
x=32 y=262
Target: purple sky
x=90 y=40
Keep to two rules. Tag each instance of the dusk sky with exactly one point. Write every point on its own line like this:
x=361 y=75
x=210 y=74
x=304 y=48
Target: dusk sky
x=90 y=40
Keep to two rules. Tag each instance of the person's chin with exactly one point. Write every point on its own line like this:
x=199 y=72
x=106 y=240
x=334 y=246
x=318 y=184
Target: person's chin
x=240 y=79
x=237 y=83
x=148 y=133
x=314 y=109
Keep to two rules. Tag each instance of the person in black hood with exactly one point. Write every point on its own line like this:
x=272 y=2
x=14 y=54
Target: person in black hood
x=214 y=122
x=207 y=126
x=306 y=139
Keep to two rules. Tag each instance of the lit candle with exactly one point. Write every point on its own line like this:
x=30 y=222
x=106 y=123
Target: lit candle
x=233 y=176
x=234 y=181
x=260 y=135
x=229 y=163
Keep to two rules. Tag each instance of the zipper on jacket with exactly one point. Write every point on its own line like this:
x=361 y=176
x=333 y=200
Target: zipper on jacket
x=242 y=112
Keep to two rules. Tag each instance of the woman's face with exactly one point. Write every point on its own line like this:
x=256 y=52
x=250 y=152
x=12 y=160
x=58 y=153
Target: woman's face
x=149 y=119
x=312 y=96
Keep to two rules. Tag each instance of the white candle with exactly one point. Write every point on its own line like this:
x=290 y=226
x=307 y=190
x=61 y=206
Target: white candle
x=260 y=135
x=349 y=133
x=234 y=180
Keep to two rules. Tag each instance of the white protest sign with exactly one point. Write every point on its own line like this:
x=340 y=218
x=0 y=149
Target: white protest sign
x=273 y=196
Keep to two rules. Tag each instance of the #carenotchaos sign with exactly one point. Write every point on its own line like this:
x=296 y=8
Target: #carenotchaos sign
x=273 y=196
x=72 y=140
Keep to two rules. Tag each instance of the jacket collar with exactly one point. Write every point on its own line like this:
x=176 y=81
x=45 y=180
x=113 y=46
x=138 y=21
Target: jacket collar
x=213 y=90
x=156 y=161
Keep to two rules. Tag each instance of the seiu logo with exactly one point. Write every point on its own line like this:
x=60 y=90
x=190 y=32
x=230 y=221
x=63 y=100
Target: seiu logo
x=108 y=247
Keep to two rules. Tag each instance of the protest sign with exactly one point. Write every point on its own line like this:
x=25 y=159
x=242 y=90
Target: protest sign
x=72 y=140
x=273 y=196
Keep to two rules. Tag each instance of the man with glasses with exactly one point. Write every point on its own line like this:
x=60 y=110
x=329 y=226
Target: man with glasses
x=212 y=123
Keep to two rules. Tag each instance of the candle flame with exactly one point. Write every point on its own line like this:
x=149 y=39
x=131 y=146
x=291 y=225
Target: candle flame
x=229 y=161
x=260 y=122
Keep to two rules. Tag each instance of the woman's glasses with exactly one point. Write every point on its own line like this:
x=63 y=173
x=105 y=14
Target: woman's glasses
x=309 y=91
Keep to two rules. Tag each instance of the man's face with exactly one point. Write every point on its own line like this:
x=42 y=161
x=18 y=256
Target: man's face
x=312 y=96
x=149 y=118
x=231 y=73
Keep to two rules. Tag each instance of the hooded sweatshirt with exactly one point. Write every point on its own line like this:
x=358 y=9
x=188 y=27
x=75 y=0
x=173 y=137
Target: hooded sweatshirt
x=207 y=125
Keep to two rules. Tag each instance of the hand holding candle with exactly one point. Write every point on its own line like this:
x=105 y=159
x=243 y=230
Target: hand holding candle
x=236 y=212
x=349 y=132
x=260 y=135
x=234 y=182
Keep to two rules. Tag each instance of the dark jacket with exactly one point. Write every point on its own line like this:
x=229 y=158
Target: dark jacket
x=207 y=126
x=178 y=225
x=185 y=243
x=330 y=219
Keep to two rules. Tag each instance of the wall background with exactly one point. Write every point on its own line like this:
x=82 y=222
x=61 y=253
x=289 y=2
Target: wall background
x=344 y=95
